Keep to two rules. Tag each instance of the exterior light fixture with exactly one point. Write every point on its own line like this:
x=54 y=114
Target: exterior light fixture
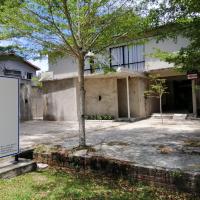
x=90 y=54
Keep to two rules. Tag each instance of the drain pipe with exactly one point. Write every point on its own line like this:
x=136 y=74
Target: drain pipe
x=194 y=100
x=128 y=97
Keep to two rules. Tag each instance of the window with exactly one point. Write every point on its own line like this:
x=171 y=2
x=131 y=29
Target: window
x=12 y=72
x=29 y=75
x=128 y=56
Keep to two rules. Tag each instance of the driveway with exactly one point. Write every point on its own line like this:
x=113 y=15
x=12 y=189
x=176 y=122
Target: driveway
x=176 y=144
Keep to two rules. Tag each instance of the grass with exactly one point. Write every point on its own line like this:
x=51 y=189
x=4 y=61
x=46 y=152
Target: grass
x=54 y=184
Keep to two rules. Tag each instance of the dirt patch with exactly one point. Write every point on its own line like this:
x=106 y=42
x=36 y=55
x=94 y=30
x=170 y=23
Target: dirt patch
x=57 y=148
x=191 y=147
x=192 y=143
x=43 y=148
x=113 y=143
x=165 y=149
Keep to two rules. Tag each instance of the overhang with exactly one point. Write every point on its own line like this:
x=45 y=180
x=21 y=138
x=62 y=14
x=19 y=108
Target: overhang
x=166 y=72
x=120 y=73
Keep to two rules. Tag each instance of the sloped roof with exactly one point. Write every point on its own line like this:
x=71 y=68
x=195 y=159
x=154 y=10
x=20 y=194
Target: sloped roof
x=20 y=58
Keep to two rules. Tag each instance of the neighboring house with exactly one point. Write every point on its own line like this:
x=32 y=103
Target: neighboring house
x=120 y=94
x=12 y=65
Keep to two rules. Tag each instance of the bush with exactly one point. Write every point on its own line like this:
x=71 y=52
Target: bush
x=99 y=117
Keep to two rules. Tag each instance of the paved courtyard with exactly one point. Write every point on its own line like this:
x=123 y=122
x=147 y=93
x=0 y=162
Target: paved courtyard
x=176 y=144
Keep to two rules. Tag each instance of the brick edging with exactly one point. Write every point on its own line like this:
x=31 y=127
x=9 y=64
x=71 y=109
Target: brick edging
x=173 y=178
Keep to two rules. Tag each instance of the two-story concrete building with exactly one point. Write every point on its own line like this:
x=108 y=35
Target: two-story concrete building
x=15 y=66
x=121 y=93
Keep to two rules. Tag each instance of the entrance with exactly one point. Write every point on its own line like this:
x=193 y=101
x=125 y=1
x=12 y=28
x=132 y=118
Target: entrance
x=179 y=97
x=122 y=97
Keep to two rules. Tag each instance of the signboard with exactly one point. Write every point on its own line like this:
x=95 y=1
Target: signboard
x=192 y=76
x=9 y=116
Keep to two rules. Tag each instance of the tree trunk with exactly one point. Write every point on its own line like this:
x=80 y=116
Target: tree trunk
x=81 y=101
x=161 y=114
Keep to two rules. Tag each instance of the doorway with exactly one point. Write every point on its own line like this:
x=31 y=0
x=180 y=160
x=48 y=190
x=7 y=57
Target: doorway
x=122 y=98
x=179 y=96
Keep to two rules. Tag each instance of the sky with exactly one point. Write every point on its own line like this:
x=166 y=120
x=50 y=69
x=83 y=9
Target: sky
x=42 y=64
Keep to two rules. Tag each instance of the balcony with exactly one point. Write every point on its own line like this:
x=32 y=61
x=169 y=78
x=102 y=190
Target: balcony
x=134 y=67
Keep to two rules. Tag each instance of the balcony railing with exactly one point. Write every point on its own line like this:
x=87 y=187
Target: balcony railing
x=135 y=67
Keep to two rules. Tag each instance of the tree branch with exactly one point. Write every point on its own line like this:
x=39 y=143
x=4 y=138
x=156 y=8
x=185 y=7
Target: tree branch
x=67 y=14
x=59 y=32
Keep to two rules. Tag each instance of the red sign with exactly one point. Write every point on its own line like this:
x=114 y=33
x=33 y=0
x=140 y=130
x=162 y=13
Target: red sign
x=192 y=76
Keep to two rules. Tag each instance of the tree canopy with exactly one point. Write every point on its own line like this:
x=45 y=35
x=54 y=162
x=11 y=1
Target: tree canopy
x=180 y=18
x=70 y=27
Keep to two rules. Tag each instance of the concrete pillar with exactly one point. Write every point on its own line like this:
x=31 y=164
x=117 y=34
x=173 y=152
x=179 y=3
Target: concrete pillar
x=128 y=97
x=194 y=98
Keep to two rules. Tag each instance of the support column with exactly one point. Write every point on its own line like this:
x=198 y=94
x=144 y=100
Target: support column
x=128 y=97
x=194 y=98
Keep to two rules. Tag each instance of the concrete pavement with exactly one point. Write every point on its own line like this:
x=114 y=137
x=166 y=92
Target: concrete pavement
x=176 y=144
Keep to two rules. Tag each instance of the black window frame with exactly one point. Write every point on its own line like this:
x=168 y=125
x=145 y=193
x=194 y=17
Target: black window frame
x=29 y=73
x=123 y=57
x=12 y=72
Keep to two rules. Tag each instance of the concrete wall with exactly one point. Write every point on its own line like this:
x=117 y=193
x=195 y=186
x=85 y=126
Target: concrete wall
x=138 y=105
x=106 y=89
x=67 y=66
x=167 y=45
x=37 y=103
x=102 y=98
x=62 y=66
x=60 y=100
x=31 y=102
x=25 y=102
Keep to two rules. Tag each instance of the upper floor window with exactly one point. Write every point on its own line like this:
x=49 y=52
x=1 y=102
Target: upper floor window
x=29 y=75
x=11 y=72
x=131 y=56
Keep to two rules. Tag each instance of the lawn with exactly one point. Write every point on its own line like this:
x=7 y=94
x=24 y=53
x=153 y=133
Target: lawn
x=59 y=185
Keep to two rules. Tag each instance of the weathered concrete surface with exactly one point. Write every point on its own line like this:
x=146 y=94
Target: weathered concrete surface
x=60 y=100
x=10 y=168
x=101 y=97
x=145 y=142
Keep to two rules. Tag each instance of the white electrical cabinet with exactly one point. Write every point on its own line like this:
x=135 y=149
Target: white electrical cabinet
x=9 y=116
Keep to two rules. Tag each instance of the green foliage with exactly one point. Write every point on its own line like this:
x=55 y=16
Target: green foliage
x=157 y=86
x=100 y=117
x=7 y=49
x=181 y=18
x=36 y=82
x=68 y=26
x=108 y=70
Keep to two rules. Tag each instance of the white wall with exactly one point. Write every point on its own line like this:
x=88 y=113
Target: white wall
x=16 y=65
x=168 y=45
x=68 y=66
x=63 y=66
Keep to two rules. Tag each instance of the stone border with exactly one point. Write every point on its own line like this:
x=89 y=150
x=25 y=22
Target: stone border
x=17 y=168
x=173 y=178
